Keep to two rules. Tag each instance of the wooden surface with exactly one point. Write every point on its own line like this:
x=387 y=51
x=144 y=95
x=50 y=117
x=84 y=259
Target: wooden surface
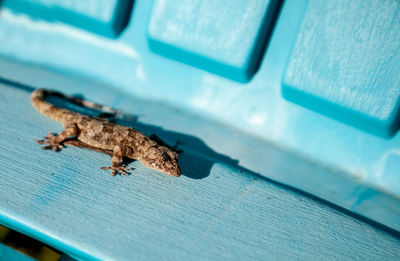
x=104 y=17
x=345 y=63
x=341 y=164
x=215 y=210
x=9 y=254
x=201 y=36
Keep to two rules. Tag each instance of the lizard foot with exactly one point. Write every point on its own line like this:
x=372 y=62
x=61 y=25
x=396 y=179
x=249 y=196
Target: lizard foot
x=52 y=143
x=121 y=169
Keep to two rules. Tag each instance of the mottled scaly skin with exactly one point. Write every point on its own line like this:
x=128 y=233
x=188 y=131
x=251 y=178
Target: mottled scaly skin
x=104 y=135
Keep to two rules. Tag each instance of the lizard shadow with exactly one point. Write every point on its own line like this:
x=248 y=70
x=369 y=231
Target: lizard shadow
x=195 y=158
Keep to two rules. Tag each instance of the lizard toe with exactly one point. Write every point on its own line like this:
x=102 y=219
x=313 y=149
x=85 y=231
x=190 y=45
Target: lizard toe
x=40 y=141
x=120 y=169
x=50 y=145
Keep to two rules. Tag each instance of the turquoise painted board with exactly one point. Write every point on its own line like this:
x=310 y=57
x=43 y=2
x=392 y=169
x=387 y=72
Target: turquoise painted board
x=334 y=161
x=215 y=210
x=9 y=254
x=222 y=37
x=105 y=17
x=346 y=63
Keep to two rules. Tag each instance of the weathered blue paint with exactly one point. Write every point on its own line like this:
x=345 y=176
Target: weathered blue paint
x=257 y=108
x=105 y=17
x=215 y=210
x=346 y=63
x=335 y=161
x=223 y=37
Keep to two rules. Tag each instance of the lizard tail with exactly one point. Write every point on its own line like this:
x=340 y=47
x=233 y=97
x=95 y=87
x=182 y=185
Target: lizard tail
x=38 y=100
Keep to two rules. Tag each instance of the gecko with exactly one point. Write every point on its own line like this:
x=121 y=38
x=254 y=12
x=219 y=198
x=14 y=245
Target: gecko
x=104 y=136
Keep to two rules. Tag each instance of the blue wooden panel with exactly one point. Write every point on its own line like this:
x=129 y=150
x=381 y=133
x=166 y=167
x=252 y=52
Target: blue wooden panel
x=106 y=17
x=9 y=254
x=215 y=210
x=223 y=37
x=346 y=63
x=362 y=169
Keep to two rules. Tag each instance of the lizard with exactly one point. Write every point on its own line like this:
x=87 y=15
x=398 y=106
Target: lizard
x=104 y=136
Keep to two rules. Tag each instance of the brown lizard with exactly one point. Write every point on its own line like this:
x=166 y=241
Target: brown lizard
x=100 y=134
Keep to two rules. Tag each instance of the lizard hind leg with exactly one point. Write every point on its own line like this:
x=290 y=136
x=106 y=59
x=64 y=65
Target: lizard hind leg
x=54 y=142
x=116 y=165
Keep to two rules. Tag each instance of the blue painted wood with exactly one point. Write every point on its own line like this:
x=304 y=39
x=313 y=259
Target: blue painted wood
x=215 y=210
x=223 y=37
x=105 y=17
x=346 y=63
x=336 y=162
x=9 y=254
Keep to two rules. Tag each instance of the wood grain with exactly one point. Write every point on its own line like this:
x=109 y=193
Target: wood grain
x=263 y=132
x=345 y=63
x=67 y=201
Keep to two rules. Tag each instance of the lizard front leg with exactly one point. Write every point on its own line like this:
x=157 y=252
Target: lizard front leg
x=55 y=142
x=116 y=165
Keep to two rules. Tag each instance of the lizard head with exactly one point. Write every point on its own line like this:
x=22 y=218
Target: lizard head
x=162 y=159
